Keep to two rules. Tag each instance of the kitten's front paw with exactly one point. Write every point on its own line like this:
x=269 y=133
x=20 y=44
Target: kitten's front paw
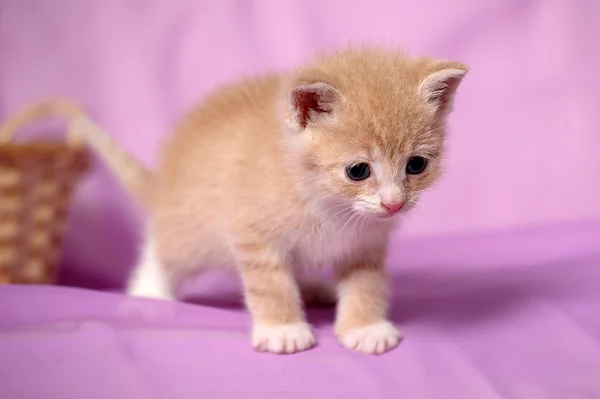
x=373 y=339
x=287 y=338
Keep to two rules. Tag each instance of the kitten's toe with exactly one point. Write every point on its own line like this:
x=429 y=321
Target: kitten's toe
x=287 y=338
x=373 y=339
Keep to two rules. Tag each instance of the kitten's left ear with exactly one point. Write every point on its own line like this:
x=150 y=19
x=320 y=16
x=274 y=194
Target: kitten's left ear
x=438 y=88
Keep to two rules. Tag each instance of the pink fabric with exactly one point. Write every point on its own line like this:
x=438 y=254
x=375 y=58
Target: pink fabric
x=503 y=316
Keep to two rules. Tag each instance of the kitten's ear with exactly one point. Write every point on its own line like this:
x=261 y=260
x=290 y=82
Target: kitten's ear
x=312 y=103
x=439 y=87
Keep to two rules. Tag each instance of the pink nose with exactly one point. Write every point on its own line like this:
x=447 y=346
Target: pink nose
x=393 y=207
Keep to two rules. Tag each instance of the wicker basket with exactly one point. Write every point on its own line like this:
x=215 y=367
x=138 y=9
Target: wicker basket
x=37 y=179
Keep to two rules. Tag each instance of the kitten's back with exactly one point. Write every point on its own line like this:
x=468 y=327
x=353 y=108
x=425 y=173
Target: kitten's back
x=226 y=152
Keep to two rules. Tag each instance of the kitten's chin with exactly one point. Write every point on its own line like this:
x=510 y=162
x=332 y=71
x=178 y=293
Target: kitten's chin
x=385 y=217
x=381 y=216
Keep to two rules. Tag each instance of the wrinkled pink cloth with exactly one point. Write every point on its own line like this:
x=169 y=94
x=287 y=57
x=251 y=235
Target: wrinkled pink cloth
x=507 y=315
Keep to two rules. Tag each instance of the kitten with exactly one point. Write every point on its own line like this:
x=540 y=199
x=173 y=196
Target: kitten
x=297 y=170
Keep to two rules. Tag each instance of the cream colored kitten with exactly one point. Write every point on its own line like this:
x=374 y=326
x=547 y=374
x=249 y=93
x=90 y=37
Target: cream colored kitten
x=299 y=170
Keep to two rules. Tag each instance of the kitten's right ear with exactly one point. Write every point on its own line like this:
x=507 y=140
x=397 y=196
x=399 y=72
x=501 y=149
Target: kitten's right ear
x=312 y=103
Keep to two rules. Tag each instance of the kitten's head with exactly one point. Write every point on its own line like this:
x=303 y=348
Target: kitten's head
x=367 y=126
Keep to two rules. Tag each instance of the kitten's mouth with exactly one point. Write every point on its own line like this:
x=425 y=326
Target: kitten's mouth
x=385 y=215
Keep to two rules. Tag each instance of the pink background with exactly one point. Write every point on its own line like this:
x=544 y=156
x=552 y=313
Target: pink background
x=524 y=139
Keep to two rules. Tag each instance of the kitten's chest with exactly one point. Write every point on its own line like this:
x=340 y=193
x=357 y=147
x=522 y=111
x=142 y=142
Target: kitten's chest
x=326 y=246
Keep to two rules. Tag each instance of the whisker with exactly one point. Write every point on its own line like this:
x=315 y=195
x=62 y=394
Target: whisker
x=322 y=212
x=355 y=230
x=363 y=221
x=352 y=217
x=343 y=216
x=342 y=211
x=420 y=209
x=313 y=224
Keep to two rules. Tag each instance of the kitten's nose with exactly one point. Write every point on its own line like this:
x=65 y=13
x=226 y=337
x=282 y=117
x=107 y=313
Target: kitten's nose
x=393 y=207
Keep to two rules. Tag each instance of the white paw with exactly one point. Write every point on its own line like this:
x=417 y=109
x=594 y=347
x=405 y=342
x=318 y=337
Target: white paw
x=373 y=339
x=287 y=338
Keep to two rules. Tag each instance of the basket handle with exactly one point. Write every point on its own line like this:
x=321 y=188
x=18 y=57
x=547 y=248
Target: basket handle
x=65 y=108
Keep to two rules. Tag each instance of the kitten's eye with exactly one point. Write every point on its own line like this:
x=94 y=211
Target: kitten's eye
x=416 y=165
x=358 y=172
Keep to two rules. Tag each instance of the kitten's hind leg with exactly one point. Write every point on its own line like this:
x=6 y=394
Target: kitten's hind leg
x=150 y=278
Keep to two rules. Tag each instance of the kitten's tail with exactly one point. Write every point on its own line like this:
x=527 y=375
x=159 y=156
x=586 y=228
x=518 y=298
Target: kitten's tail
x=133 y=176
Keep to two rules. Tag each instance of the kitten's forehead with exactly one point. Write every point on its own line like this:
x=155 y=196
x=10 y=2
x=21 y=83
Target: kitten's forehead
x=381 y=97
x=382 y=109
x=387 y=132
